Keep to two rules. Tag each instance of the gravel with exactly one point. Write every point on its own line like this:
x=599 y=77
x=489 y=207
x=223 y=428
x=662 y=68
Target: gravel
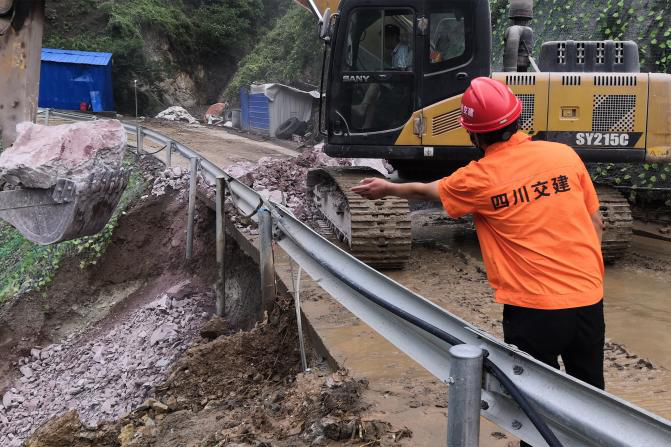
x=106 y=377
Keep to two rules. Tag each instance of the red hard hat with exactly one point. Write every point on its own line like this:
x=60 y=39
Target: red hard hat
x=488 y=105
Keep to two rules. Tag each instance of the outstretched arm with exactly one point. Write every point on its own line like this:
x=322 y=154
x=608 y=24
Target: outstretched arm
x=377 y=188
x=597 y=221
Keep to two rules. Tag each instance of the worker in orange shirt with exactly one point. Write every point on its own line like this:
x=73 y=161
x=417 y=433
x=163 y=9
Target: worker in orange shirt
x=537 y=218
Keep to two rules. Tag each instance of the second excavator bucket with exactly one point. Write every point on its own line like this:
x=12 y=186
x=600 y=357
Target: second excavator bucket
x=69 y=210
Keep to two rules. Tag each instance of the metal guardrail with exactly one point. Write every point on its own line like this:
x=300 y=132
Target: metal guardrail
x=578 y=414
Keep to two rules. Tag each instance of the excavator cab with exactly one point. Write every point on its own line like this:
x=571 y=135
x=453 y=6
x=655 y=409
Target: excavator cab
x=73 y=207
x=391 y=60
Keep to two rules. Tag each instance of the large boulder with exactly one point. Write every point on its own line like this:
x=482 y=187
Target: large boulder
x=216 y=110
x=42 y=154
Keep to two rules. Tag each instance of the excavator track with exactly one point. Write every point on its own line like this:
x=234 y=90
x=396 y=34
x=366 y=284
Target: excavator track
x=377 y=232
x=618 y=223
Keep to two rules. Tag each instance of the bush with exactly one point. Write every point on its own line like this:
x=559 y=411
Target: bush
x=291 y=52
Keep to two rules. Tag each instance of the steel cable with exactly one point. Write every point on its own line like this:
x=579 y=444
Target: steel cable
x=508 y=384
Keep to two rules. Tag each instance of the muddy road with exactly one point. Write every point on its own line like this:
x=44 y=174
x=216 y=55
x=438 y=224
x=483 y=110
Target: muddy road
x=446 y=268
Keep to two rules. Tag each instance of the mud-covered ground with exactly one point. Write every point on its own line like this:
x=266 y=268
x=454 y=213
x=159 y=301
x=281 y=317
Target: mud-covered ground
x=120 y=353
x=446 y=267
x=239 y=389
x=246 y=388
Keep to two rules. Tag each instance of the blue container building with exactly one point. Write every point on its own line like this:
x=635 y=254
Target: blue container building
x=69 y=77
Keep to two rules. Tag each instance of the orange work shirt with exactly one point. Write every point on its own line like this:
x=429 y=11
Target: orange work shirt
x=532 y=203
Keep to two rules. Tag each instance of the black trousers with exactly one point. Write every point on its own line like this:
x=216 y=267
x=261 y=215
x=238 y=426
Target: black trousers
x=577 y=335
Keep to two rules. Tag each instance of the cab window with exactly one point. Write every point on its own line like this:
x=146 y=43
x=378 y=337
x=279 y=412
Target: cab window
x=449 y=28
x=379 y=40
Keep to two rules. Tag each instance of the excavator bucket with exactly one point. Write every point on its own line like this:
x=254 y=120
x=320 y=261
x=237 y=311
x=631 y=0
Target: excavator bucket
x=69 y=210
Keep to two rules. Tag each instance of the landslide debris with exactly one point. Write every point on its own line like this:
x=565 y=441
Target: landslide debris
x=284 y=179
x=102 y=334
x=241 y=389
x=177 y=113
x=108 y=375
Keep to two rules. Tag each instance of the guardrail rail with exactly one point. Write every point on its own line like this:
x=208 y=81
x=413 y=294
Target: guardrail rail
x=578 y=414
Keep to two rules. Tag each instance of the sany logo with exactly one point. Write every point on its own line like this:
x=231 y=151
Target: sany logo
x=355 y=78
x=468 y=111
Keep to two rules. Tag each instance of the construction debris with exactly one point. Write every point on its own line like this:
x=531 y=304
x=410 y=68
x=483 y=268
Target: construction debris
x=42 y=154
x=177 y=113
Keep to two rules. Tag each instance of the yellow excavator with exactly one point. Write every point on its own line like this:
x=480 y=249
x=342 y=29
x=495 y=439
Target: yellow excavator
x=395 y=76
x=72 y=207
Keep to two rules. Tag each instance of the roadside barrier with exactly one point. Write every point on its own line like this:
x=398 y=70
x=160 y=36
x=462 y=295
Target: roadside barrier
x=486 y=376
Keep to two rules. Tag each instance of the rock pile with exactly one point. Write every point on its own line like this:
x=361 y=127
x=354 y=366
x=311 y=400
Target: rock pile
x=108 y=376
x=42 y=154
x=177 y=113
x=284 y=180
x=175 y=178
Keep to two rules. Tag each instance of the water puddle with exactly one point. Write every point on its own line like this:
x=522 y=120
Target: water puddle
x=638 y=306
x=638 y=301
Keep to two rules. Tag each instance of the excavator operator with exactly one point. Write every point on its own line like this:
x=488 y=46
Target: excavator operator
x=537 y=217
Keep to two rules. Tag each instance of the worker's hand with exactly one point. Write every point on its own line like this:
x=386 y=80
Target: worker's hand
x=373 y=188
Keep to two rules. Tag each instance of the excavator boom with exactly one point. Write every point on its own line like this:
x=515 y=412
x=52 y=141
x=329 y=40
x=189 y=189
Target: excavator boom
x=319 y=7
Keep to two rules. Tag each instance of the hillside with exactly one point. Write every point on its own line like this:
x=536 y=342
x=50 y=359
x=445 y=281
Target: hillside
x=180 y=51
x=290 y=53
x=190 y=52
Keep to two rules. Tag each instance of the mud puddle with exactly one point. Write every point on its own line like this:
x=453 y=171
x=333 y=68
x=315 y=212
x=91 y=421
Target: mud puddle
x=638 y=314
x=638 y=300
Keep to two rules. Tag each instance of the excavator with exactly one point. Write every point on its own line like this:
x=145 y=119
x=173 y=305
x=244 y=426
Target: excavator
x=395 y=74
x=73 y=207
x=394 y=79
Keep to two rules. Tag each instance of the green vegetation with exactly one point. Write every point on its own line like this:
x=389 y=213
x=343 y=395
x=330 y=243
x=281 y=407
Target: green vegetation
x=152 y=39
x=642 y=181
x=25 y=266
x=291 y=52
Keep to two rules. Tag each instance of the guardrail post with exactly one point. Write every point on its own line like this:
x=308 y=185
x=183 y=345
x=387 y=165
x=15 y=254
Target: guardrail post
x=192 y=207
x=463 y=414
x=46 y=117
x=168 y=154
x=266 y=259
x=139 y=136
x=221 y=246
